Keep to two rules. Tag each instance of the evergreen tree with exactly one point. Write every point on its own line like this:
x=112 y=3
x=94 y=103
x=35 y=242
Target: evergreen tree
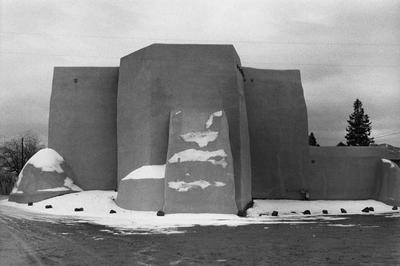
x=359 y=128
x=312 y=141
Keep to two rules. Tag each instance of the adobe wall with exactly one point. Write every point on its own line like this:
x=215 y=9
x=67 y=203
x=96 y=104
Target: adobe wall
x=161 y=77
x=278 y=129
x=346 y=172
x=82 y=123
x=390 y=183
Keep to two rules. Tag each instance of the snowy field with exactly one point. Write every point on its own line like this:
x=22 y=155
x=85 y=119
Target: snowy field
x=97 y=205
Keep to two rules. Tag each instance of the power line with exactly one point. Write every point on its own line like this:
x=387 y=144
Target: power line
x=140 y=38
x=386 y=135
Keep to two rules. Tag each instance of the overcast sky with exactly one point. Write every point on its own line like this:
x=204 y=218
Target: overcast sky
x=344 y=50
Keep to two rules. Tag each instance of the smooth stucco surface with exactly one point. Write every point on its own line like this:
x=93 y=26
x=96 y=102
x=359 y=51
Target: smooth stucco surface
x=141 y=194
x=82 y=123
x=108 y=121
x=194 y=184
x=346 y=172
x=390 y=183
x=278 y=132
x=161 y=77
x=36 y=185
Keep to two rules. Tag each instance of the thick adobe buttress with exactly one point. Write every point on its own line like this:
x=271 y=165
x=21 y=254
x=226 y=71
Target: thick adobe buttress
x=164 y=77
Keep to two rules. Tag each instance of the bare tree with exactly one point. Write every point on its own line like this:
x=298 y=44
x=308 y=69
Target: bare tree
x=17 y=151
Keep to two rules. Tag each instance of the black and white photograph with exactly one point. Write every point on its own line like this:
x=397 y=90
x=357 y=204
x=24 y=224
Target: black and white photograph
x=199 y=132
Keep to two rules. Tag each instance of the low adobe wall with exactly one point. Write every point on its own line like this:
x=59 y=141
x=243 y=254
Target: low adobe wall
x=390 y=183
x=346 y=173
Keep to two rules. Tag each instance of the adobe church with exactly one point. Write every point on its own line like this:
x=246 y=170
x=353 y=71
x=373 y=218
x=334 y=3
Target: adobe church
x=187 y=128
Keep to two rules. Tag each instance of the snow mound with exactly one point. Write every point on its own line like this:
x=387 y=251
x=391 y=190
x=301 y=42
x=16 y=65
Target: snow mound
x=42 y=177
x=201 y=138
x=48 y=160
x=147 y=172
x=192 y=155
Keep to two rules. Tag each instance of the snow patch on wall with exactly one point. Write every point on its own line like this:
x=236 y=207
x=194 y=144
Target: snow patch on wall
x=147 y=172
x=54 y=189
x=70 y=184
x=392 y=164
x=219 y=184
x=192 y=155
x=211 y=118
x=182 y=186
x=201 y=138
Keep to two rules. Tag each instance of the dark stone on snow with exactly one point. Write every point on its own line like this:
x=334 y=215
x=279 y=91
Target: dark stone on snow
x=343 y=210
x=306 y=212
x=274 y=213
x=112 y=211
x=160 y=213
x=324 y=211
x=371 y=209
x=242 y=213
x=30 y=203
x=395 y=208
x=293 y=212
x=79 y=209
x=48 y=206
x=366 y=209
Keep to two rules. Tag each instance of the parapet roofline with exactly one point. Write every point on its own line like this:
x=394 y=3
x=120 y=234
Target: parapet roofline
x=272 y=74
x=85 y=67
x=181 y=46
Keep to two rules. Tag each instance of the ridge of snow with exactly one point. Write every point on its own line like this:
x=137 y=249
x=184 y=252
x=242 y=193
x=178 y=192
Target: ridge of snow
x=192 y=155
x=54 y=189
x=147 y=172
x=202 y=138
x=211 y=118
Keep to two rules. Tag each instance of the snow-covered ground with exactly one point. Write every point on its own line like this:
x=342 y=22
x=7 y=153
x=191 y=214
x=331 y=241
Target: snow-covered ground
x=97 y=205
